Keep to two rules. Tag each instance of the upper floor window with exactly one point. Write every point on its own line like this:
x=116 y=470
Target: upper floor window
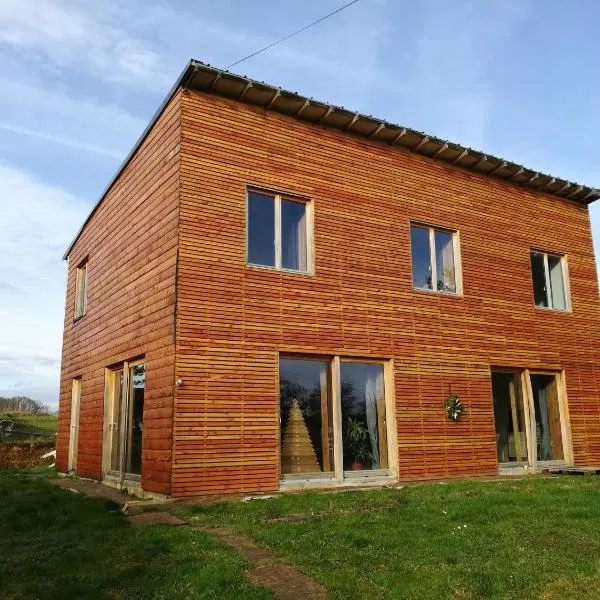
x=435 y=259
x=549 y=275
x=81 y=290
x=278 y=232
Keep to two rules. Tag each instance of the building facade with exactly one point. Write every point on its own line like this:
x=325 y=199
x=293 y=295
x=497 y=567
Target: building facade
x=275 y=293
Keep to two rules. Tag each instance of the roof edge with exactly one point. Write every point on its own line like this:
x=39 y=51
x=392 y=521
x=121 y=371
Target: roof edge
x=180 y=82
x=205 y=78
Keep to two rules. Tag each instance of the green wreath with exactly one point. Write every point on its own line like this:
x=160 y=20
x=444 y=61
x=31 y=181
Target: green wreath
x=454 y=407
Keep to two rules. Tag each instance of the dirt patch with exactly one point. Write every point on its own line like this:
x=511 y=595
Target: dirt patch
x=287 y=583
x=282 y=579
x=155 y=518
x=25 y=455
x=91 y=488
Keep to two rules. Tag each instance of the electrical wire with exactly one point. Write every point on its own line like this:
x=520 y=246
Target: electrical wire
x=287 y=37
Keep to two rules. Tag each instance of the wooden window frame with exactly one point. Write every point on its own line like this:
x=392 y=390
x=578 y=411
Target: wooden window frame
x=337 y=474
x=565 y=277
x=109 y=373
x=523 y=376
x=278 y=197
x=432 y=258
x=74 y=423
x=81 y=290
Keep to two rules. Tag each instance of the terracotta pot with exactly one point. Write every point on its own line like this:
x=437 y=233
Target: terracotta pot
x=356 y=466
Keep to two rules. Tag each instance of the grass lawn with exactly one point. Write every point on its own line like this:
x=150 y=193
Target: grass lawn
x=57 y=544
x=42 y=424
x=538 y=538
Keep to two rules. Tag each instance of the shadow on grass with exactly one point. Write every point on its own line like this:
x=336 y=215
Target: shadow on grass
x=58 y=544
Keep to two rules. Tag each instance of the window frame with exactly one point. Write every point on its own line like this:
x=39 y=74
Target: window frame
x=431 y=229
x=122 y=416
x=548 y=282
x=81 y=290
x=337 y=475
x=278 y=196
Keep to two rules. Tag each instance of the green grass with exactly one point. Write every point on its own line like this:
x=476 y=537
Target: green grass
x=533 y=539
x=57 y=544
x=44 y=426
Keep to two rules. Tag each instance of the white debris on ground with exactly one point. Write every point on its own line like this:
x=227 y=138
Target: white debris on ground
x=52 y=454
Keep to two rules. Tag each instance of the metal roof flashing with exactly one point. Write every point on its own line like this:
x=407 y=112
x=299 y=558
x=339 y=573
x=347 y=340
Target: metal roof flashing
x=205 y=78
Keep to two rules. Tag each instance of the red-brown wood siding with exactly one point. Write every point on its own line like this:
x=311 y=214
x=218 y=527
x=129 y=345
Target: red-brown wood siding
x=131 y=242
x=234 y=320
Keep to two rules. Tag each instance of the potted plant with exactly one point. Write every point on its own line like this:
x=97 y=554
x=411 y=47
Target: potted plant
x=357 y=442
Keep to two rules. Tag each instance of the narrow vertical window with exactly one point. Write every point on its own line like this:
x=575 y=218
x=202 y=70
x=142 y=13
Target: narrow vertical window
x=278 y=233
x=548 y=277
x=434 y=259
x=81 y=290
x=74 y=429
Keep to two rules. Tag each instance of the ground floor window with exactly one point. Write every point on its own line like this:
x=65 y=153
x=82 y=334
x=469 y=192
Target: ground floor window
x=124 y=420
x=530 y=416
x=333 y=417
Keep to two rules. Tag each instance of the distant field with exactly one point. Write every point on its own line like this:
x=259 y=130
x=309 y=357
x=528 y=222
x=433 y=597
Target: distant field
x=35 y=426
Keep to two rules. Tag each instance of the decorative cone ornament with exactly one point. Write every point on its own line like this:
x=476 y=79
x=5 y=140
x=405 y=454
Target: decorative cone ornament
x=297 y=452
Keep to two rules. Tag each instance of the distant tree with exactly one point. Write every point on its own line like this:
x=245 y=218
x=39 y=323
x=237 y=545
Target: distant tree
x=20 y=404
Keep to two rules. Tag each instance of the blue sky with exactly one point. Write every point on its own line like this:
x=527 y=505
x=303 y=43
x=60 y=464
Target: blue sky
x=79 y=79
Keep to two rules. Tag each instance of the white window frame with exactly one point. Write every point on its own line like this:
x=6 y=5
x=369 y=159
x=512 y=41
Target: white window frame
x=81 y=281
x=277 y=198
x=548 y=283
x=432 y=262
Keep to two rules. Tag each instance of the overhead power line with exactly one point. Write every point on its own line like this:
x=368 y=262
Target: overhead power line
x=287 y=37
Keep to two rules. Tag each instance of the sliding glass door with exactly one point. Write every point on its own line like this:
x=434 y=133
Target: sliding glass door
x=124 y=420
x=548 y=428
x=332 y=418
x=305 y=417
x=530 y=417
x=363 y=416
x=509 y=416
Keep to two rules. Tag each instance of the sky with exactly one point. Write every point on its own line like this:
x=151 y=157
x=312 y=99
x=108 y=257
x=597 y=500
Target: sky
x=80 y=79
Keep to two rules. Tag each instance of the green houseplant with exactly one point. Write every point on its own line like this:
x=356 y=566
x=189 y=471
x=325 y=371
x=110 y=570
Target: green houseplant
x=357 y=442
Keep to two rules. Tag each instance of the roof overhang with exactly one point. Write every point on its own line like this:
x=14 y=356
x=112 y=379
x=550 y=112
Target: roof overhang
x=207 y=79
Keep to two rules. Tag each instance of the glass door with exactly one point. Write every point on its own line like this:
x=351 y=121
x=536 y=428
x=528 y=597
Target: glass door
x=527 y=413
x=333 y=418
x=548 y=428
x=364 y=427
x=509 y=417
x=124 y=421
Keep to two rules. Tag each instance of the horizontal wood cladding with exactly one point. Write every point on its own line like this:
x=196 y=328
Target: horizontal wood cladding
x=131 y=241
x=233 y=320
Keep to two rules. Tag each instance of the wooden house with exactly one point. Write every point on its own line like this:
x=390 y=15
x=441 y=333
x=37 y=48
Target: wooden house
x=275 y=293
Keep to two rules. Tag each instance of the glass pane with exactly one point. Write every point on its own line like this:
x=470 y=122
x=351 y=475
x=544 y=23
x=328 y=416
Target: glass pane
x=509 y=417
x=261 y=229
x=363 y=417
x=114 y=419
x=444 y=260
x=421 y=257
x=556 y=282
x=306 y=417
x=547 y=418
x=538 y=276
x=293 y=235
x=135 y=421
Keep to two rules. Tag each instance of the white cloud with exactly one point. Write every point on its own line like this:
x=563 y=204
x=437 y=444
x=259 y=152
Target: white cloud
x=64 y=118
x=37 y=223
x=84 y=35
x=454 y=54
